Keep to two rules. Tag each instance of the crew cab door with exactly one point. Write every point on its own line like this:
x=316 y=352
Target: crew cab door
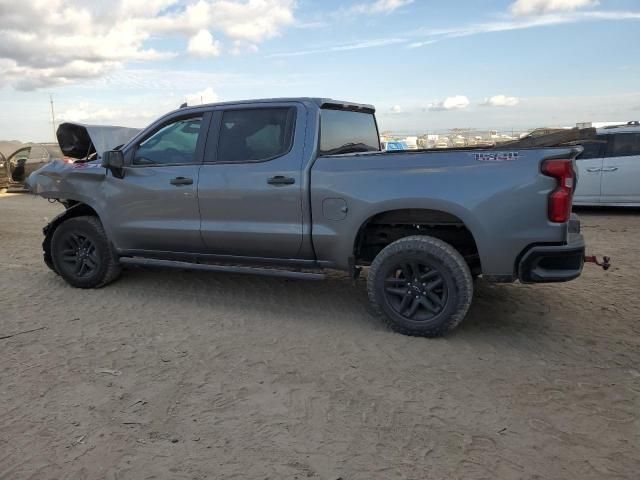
x=250 y=186
x=154 y=207
x=621 y=169
x=589 y=164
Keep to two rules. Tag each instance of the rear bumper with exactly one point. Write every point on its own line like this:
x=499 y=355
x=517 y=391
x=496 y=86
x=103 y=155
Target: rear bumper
x=553 y=263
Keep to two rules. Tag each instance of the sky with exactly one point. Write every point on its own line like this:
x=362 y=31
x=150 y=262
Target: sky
x=427 y=65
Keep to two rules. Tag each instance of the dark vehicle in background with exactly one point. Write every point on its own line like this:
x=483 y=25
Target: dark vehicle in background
x=15 y=168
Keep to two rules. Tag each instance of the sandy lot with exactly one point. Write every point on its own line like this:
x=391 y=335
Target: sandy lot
x=183 y=375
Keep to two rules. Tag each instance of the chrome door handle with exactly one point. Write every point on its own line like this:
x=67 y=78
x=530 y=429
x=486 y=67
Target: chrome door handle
x=594 y=169
x=610 y=169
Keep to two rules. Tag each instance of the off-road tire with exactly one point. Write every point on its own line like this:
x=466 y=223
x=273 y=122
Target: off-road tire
x=107 y=267
x=441 y=258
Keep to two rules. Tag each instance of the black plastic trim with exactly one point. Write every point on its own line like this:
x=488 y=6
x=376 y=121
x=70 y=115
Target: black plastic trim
x=552 y=263
x=150 y=262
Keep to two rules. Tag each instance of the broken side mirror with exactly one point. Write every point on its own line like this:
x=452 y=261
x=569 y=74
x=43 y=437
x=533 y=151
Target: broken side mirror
x=114 y=161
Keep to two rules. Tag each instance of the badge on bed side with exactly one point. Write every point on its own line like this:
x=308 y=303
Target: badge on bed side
x=496 y=156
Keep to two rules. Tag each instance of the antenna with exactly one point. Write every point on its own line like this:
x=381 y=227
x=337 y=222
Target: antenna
x=53 y=118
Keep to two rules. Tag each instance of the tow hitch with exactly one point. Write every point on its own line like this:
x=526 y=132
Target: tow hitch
x=605 y=264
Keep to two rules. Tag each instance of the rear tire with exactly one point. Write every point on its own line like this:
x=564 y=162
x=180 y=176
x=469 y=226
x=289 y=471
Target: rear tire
x=420 y=286
x=82 y=255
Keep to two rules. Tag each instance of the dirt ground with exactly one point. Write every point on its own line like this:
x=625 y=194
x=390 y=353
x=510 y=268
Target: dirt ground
x=182 y=375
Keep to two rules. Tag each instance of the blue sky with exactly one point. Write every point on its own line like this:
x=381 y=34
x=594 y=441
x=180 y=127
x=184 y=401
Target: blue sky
x=427 y=65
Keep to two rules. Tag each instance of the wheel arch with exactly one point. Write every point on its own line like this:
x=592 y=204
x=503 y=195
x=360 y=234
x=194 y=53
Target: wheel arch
x=444 y=223
x=77 y=209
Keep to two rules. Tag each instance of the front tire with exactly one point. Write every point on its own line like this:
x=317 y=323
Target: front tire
x=81 y=253
x=420 y=286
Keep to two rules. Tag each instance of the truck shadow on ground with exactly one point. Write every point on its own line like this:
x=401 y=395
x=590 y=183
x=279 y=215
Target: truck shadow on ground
x=336 y=301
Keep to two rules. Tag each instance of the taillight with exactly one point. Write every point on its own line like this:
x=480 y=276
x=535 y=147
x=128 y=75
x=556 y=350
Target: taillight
x=561 y=198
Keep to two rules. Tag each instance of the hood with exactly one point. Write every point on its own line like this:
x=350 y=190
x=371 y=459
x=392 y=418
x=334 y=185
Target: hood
x=80 y=141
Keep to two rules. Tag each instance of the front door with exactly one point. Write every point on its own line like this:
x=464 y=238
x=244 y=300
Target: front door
x=589 y=164
x=251 y=183
x=155 y=205
x=621 y=170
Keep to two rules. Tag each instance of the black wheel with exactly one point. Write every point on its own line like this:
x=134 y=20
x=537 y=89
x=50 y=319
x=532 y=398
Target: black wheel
x=420 y=286
x=81 y=253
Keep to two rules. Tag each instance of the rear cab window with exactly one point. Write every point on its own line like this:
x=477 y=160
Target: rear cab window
x=346 y=131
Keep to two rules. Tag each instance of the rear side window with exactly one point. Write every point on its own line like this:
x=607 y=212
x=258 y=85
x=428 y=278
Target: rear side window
x=254 y=135
x=173 y=144
x=343 y=131
x=625 y=145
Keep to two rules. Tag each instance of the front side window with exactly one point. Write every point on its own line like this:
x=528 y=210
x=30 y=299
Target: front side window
x=254 y=135
x=344 y=131
x=174 y=143
x=592 y=150
x=20 y=155
x=625 y=145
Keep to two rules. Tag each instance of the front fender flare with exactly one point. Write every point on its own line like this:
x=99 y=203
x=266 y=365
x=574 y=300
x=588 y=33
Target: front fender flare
x=76 y=210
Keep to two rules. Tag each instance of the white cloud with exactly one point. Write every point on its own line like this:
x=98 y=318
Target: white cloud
x=379 y=6
x=500 y=101
x=542 y=7
x=457 y=102
x=203 y=45
x=513 y=24
x=396 y=109
x=375 y=43
x=86 y=112
x=205 y=96
x=57 y=42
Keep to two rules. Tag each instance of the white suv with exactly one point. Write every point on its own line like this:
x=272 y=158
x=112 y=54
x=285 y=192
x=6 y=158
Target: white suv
x=609 y=168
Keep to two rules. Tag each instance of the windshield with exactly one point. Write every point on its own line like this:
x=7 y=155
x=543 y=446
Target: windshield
x=343 y=131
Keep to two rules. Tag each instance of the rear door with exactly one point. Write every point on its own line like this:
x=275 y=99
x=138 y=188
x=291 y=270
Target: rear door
x=250 y=185
x=621 y=170
x=589 y=164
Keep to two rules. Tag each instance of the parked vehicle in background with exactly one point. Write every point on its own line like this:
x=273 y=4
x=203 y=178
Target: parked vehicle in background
x=300 y=185
x=609 y=168
x=15 y=168
x=411 y=142
x=394 y=145
x=442 y=142
x=459 y=141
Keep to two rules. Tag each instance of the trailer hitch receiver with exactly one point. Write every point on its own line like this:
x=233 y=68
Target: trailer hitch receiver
x=605 y=263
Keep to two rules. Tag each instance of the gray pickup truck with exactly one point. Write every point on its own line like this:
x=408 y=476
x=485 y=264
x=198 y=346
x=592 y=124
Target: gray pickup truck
x=294 y=186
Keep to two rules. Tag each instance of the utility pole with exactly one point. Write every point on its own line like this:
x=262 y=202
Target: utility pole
x=53 y=118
